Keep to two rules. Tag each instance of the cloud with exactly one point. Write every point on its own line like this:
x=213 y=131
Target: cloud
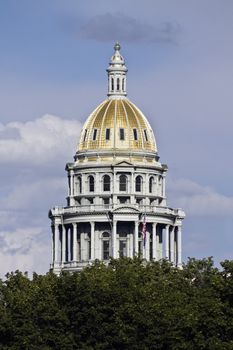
x=111 y=26
x=31 y=196
x=24 y=248
x=199 y=200
x=39 y=141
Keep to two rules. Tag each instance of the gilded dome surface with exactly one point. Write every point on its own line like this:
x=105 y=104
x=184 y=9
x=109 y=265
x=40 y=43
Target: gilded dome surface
x=117 y=125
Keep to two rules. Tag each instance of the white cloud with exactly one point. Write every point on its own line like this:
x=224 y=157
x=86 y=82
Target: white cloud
x=34 y=195
x=199 y=200
x=38 y=141
x=24 y=249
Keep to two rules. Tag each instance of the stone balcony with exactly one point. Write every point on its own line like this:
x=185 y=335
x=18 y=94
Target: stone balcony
x=92 y=208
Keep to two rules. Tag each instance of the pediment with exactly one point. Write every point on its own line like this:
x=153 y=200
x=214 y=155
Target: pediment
x=124 y=163
x=126 y=209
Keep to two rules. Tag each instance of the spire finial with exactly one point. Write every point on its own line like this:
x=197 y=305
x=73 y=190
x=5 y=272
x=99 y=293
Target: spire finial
x=117 y=46
x=117 y=74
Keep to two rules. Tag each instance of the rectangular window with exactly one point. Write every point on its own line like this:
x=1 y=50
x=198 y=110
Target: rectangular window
x=106 y=202
x=122 y=134
x=140 y=248
x=107 y=134
x=94 y=134
x=135 y=134
x=85 y=135
x=122 y=248
x=105 y=250
x=146 y=136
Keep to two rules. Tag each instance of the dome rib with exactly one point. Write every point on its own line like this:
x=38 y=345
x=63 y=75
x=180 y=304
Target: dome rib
x=102 y=133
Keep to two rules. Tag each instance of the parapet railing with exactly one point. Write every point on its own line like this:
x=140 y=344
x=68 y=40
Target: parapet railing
x=110 y=207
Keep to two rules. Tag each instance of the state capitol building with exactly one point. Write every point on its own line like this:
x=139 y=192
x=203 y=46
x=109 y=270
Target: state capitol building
x=117 y=195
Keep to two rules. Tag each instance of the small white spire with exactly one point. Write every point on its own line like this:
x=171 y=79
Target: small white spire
x=117 y=74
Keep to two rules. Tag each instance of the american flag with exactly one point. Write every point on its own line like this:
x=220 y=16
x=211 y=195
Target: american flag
x=144 y=230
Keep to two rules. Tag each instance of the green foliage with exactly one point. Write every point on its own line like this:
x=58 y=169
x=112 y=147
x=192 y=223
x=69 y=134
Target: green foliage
x=128 y=304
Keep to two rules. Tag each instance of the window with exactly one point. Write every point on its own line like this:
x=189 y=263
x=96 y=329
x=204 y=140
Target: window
x=112 y=81
x=123 y=200
x=122 y=134
x=91 y=184
x=105 y=245
x=107 y=134
x=123 y=182
x=90 y=201
x=85 y=135
x=151 y=182
x=118 y=84
x=123 y=84
x=140 y=245
x=135 y=134
x=106 y=183
x=94 y=134
x=106 y=202
x=122 y=245
x=79 y=184
x=138 y=184
x=146 y=136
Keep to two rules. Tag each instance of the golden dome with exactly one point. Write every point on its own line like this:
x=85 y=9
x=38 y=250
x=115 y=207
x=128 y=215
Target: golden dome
x=117 y=125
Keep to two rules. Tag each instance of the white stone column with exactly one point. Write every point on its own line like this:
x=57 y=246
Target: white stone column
x=69 y=241
x=71 y=182
x=75 y=242
x=114 y=188
x=128 y=246
x=172 y=245
x=154 y=241
x=131 y=245
x=160 y=242
x=97 y=245
x=136 y=238
x=92 y=240
x=114 y=242
x=179 y=247
x=147 y=246
x=97 y=189
x=167 y=242
x=132 y=183
x=56 y=243
x=63 y=243
x=83 y=246
x=163 y=185
x=53 y=245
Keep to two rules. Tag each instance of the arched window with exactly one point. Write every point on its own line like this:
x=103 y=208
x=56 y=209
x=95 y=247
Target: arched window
x=118 y=84
x=151 y=182
x=138 y=184
x=123 y=84
x=123 y=183
x=106 y=183
x=112 y=83
x=105 y=246
x=91 y=183
x=79 y=184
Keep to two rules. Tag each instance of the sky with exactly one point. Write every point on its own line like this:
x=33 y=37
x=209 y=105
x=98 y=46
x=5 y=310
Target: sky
x=53 y=60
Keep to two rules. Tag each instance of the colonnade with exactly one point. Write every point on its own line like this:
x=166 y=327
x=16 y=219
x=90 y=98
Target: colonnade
x=71 y=246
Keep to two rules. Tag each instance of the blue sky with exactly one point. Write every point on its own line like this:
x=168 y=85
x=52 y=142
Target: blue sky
x=53 y=59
